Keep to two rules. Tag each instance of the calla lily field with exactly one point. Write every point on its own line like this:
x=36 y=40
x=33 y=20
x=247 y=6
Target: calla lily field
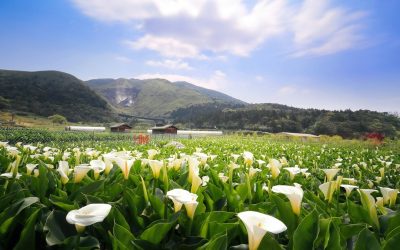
x=231 y=192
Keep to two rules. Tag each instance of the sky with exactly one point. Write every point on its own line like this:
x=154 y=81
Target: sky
x=326 y=54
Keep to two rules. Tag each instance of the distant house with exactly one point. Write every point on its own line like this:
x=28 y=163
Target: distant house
x=166 y=129
x=121 y=127
x=85 y=129
x=300 y=135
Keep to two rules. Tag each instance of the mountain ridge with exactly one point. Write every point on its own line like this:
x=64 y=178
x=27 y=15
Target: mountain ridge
x=155 y=97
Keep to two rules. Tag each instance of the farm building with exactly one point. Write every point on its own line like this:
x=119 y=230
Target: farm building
x=121 y=127
x=300 y=135
x=85 y=129
x=166 y=129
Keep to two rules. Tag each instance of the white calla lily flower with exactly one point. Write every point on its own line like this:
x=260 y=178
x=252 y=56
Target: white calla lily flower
x=204 y=180
x=293 y=193
x=253 y=171
x=88 y=215
x=368 y=202
x=108 y=160
x=389 y=195
x=248 y=158
x=191 y=208
x=63 y=170
x=30 y=167
x=125 y=165
x=196 y=182
x=293 y=171
x=258 y=224
x=98 y=166
x=330 y=173
x=235 y=157
x=80 y=172
x=10 y=175
x=274 y=165
x=202 y=157
x=348 y=188
x=328 y=188
x=193 y=168
x=156 y=166
x=180 y=197
x=151 y=153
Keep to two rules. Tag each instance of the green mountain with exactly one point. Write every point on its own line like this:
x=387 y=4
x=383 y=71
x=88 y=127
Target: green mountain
x=46 y=93
x=156 y=97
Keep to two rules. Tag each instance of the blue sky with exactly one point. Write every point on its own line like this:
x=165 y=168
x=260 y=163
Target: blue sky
x=335 y=54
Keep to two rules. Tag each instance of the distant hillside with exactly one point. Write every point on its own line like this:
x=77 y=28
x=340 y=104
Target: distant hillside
x=279 y=118
x=50 y=92
x=156 y=97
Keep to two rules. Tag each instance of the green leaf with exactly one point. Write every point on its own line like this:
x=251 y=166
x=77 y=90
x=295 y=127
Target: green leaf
x=306 y=232
x=393 y=242
x=232 y=229
x=27 y=238
x=285 y=213
x=7 y=217
x=157 y=231
x=85 y=243
x=268 y=242
x=348 y=231
x=389 y=222
x=334 y=237
x=392 y=233
x=367 y=241
x=57 y=228
x=88 y=189
x=215 y=216
x=323 y=235
x=220 y=241
x=43 y=180
x=63 y=203
x=157 y=204
x=123 y=235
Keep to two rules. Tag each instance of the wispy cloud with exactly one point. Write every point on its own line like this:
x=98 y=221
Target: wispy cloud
x=123 y=59
x=191 y=29
x=217 y=81
x=170 y=64
x=320 y=29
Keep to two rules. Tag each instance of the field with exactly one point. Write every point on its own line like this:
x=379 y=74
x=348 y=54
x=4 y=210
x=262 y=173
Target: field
x=231 y=192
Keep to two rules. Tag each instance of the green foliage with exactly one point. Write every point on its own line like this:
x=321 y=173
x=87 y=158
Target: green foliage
x=58 y=119
x=279 y=118
x=34 y=205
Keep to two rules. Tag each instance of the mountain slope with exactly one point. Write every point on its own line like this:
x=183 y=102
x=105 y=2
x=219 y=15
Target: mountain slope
x=155 y=97
x=275 y=118
x=47 y=93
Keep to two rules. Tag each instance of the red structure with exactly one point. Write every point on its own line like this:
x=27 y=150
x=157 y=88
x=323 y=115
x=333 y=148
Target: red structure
x=377 y=137
x=141 y=139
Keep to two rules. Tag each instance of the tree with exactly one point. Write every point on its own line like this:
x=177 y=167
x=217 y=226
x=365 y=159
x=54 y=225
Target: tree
x=58 y=119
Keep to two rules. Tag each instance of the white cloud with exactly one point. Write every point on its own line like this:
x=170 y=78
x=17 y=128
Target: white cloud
x=259 y=78
x=287 y=90
x=320 y=29
x=216 y=81
x=190 y=29
x=168 y=47
x=123 y=59
x=170 y=64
